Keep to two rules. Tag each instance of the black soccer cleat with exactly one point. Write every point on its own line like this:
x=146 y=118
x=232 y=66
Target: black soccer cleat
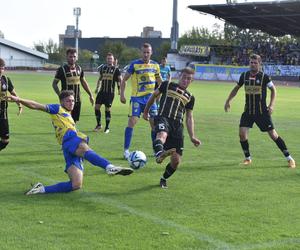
x=163 y=183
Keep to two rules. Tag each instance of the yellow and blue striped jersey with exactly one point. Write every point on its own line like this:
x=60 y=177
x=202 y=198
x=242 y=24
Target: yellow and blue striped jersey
x=62 y=122
x=143 y=77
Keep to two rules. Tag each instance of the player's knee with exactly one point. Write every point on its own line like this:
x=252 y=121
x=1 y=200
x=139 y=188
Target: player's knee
x=242 y=136
x=3 y=144
x=175 y=161
x=76 y=184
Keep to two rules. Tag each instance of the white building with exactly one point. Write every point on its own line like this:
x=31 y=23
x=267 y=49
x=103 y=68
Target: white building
x=16 y=55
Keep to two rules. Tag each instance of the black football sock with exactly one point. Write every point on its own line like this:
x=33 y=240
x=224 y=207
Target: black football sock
x=3 y=145
x=98 y=117
x=245 y=147
x=107 y=119
x=281 y=145
x=158 y=146
x=169 y=171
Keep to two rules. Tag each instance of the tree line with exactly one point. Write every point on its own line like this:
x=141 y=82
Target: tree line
x=229 y=35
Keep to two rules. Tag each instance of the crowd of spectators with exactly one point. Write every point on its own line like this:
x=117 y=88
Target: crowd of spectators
x=278 y=53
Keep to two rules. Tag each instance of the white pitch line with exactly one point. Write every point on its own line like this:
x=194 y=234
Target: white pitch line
x=216 y=244
x=270 y=244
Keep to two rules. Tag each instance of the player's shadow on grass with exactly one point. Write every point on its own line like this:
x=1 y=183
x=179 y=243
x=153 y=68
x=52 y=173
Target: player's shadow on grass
x=35 y=152
x=30 y=163
x=135 y=191
x=229 y=166
x=34 y=134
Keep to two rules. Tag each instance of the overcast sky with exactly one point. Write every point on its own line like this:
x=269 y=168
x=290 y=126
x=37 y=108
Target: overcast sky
x=29 y=21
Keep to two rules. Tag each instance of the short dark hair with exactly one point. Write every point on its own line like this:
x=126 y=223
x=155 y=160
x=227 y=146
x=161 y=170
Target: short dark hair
x=2 y=62
x=256 y=57
x=146 y=45
x=188 y=70
x=65 y=93
x=110 y=54
x=71 y=51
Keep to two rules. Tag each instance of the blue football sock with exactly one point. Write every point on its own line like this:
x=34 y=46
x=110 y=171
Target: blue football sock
x=96 y=159
x=153 y=135
x=128 y=136
x=62 y=187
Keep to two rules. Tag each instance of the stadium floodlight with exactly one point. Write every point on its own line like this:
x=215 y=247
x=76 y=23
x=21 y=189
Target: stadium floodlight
x=77 y=13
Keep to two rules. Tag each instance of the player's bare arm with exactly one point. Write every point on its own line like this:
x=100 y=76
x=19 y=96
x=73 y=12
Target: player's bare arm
x=150 y=102
x=272 y=99
x=119 y=83
x=122 y=87
x=55 y=86
x=27 y=103
x=230 y=97
x=98 y=85
x=87 y=89
x=191 y=127
x=20 y=107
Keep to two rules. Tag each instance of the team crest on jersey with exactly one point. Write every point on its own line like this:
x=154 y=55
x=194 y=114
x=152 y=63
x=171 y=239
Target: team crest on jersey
x=135 y=105
x=143 y=78
x=3 y=87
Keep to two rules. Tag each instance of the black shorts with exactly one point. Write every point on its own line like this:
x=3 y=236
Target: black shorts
x=174 y=130
x=4 y=129
x=76 y=111
x=105 y=98
x=263 y=121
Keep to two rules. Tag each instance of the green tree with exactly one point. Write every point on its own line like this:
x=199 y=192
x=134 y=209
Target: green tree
x=162 y=51
x=114 y=47
x=129 y=54
x=49 y=47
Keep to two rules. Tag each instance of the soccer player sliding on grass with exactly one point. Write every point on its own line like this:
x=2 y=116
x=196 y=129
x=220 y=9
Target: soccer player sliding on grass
x=74 y=145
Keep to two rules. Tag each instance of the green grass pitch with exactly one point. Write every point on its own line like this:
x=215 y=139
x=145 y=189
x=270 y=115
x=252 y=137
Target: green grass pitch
x=212 y=202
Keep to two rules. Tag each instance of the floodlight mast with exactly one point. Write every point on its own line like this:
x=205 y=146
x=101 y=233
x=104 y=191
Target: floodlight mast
x=175 y=27
x=77 y=13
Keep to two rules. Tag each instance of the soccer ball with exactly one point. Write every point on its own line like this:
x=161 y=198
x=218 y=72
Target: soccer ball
x=137 y=159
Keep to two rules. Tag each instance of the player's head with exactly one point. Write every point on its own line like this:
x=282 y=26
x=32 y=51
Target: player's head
x=2 y=66
x=110 y=59
x=146 y=52
x=255 y=63
x=186 y=77
x=71 y=56
x=66 y=98
x=163 y=61
x=116 y=62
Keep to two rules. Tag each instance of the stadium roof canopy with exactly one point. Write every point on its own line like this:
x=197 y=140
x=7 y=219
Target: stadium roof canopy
x=276 y=18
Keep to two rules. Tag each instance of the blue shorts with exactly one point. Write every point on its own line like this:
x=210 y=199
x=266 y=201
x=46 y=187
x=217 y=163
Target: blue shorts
x=138 y=104
x=70 y=144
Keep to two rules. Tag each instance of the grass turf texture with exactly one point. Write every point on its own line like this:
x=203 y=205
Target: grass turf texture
x=212 y=201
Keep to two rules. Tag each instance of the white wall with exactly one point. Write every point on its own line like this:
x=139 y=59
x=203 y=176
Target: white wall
x=16 y=58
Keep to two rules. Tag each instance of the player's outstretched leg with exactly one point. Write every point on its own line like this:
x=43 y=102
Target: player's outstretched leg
x=116 y=170
x=281 y=145
x=160 y=153
x=99 y=161
x=61 y=187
